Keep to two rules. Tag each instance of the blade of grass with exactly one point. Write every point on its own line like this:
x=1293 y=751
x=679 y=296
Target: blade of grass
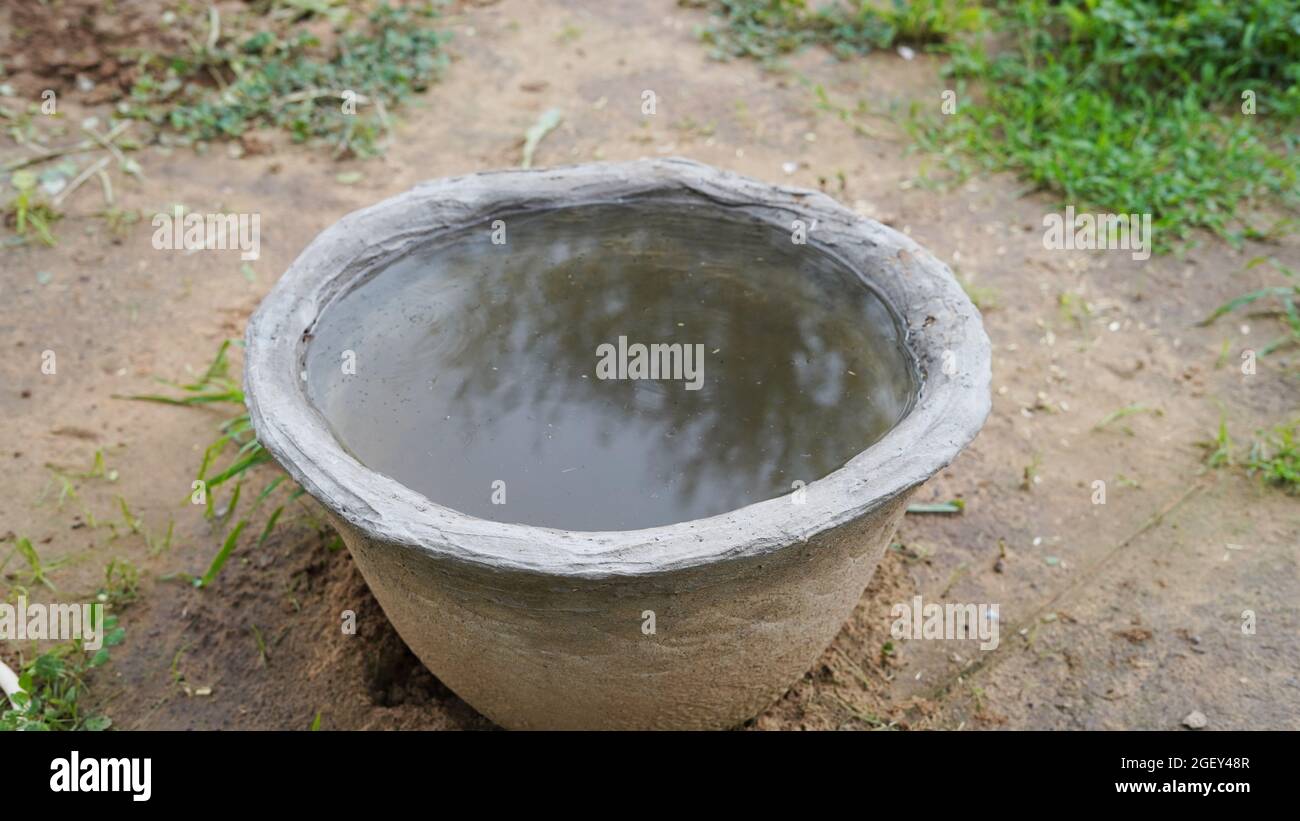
x=28 y=552
x=954 y=507
x=1245 y=299
x=223 y=554
x=270 y=524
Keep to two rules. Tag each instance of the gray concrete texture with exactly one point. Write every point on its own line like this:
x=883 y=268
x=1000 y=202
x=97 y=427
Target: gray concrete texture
x=542 y=628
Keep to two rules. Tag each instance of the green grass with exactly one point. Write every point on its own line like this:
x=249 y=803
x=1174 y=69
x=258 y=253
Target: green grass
x=1274 y=457
x=30 y=215
x=769 y=29
x=1135 y=106
x=121 y=584
x=254 y=72
x=32 y=208
x=1118 y=106
x=53 y=682
x=1123 y=413
x=219 y=560
x=1287 y=294
x=23 y=546
x=956 y=506
x=235 y=441
x=1218 y=451
x=230 y=457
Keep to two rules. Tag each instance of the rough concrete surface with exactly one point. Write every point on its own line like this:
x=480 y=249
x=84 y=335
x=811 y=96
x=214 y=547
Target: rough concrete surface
x=541 y=628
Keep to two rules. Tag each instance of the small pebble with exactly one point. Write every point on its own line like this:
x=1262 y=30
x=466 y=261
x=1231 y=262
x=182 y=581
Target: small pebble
x=1195 y=720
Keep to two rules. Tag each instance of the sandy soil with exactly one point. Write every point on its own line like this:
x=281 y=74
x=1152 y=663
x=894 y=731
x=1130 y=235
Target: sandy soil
x=1122 y=615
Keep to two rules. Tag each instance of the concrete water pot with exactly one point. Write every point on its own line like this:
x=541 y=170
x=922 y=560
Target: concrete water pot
x=542 y=628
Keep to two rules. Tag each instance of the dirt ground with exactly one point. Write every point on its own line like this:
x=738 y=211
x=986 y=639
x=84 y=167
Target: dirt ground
x=1122 y=615
x=48 y=45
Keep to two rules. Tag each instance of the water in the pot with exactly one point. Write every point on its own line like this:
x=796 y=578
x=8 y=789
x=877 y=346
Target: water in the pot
x=610 y=367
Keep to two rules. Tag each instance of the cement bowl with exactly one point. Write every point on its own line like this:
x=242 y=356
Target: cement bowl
x=543 y=628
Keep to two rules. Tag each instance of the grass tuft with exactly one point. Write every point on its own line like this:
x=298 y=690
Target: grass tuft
x=769 y=29
x=1275 y=457
x=1136 y=106
x=228 y=458
x=30 y=215
x=53 y=683
x=251 y=73
x=216 y=386
x=1286 y=294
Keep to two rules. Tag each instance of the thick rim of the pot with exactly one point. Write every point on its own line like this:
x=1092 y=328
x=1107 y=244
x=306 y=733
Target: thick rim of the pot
x=945 y=335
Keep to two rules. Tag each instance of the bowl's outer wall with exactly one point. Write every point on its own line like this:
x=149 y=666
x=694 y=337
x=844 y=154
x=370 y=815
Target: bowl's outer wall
x=543 y=628
x=530 y=651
